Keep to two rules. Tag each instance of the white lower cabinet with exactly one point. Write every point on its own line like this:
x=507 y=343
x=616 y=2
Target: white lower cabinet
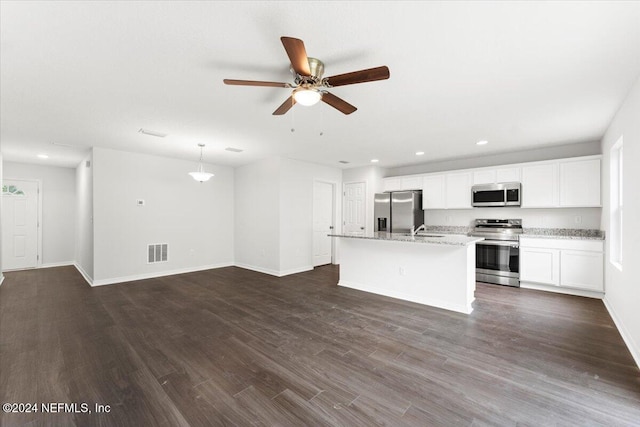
x=540 y=265
x=581 y=269
x=565 y=263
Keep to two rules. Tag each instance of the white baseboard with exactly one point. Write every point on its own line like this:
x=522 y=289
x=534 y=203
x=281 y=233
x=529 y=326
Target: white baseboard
x=558 y=290
x=634 y=348
x=84 y=274
x=56 y=264
x=271 y=272
x=123 y=279
x=412 y=298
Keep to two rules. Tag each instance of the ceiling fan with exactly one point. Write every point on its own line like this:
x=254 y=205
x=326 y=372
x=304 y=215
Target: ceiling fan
x=309 y=86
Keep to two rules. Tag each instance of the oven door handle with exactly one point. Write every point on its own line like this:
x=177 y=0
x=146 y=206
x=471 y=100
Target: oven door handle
x=498 y=243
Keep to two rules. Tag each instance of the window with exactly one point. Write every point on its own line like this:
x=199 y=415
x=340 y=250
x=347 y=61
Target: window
x=615 y=214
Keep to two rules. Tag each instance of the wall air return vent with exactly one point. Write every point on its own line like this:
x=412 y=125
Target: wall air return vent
x=157 y=253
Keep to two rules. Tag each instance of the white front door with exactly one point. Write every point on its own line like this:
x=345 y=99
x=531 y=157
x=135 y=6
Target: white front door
x=354 y=208
x=322 y=222
x=19 y=224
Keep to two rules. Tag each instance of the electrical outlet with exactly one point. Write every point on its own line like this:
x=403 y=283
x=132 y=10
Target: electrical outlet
x=402 y=271
x=448 y=218
x=140 y=202
x=577 y=219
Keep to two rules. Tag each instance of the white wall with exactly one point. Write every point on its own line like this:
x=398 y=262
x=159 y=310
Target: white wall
x=274 y=214
x=1 y=275
x=372 y=176
x=84 y=217
x=531 y=218
x=194 y=219
x=257 y=215
x=537 y=154
x=623 y=287
x=296 y=211
x=58 y=208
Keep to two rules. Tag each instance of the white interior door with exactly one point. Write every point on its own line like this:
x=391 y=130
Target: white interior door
x=354 y=208
x=19 y=224
x=322 y=222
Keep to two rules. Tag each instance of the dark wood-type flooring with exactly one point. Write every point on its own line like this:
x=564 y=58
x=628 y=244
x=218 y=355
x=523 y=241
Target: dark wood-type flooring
x=234 y=347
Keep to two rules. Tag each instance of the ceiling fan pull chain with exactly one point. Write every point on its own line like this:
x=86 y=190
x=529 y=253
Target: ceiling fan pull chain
x=321 y=121
x=293 y=116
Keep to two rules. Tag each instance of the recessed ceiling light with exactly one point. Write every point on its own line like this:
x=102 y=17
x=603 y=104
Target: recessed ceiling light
x=419 y=153
x=234 y=150
x=483 y=142
x=152 y=133
x=374 y=160
x=43 y=156
x=344 y=162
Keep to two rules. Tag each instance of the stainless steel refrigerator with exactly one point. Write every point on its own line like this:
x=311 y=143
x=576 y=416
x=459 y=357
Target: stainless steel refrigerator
x=398 y=211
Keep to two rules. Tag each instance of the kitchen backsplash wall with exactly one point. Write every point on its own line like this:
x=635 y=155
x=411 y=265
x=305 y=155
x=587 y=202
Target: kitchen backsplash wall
x=583 y=218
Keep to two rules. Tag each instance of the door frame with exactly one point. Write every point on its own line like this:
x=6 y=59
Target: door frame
x=39 y=213
x=333 y=216
x=344 y=194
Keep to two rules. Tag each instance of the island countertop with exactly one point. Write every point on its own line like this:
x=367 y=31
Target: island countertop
x=428 y=238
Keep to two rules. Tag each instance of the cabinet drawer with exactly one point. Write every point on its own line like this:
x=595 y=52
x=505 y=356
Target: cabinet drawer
x=570 y=244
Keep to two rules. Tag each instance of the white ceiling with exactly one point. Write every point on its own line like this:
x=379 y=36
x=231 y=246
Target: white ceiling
x=519 y=74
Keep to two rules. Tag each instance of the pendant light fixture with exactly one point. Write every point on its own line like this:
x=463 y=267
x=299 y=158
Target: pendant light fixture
x=200 y=174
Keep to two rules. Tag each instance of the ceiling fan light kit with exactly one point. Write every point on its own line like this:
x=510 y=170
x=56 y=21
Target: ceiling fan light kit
x=200 y=175
x=307 y=97
x=309 y=86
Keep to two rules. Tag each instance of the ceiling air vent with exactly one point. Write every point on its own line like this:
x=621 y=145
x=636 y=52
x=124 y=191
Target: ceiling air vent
x=344 y=162
x=234 y=150
x=152 y=133
x=157 y=253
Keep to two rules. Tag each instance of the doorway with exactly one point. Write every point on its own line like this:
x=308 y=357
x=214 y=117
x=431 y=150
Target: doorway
x=323 y=222
x=20 y=224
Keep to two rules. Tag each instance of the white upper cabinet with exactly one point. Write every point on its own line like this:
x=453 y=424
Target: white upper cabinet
x=510 y=174
x=391 y=184
x=458 y=190
x=411 y=183
x=540 y=186
x=559 y=183
x=402 y=183
x=484 y=176
x=496 y=175
x=433 y=192
x=580 y=183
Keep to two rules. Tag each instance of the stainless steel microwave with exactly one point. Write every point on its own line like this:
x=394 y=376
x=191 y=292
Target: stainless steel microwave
x=504 y=194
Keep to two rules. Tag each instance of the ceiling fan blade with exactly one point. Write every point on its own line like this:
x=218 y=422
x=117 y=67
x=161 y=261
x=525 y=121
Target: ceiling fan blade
x=286 y=106
x=297 y=55
x=254 y=83
x=338 y=103
x=362 y=76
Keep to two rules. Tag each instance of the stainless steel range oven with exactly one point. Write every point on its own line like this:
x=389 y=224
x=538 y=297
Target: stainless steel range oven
x=498 y=256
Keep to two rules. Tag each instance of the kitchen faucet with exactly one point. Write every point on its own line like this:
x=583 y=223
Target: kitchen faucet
x=422 y=227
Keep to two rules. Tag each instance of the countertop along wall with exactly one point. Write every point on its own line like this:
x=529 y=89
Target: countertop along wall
x=58 y=208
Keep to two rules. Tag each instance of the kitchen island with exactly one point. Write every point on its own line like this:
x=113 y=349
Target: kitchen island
x=432 y=269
